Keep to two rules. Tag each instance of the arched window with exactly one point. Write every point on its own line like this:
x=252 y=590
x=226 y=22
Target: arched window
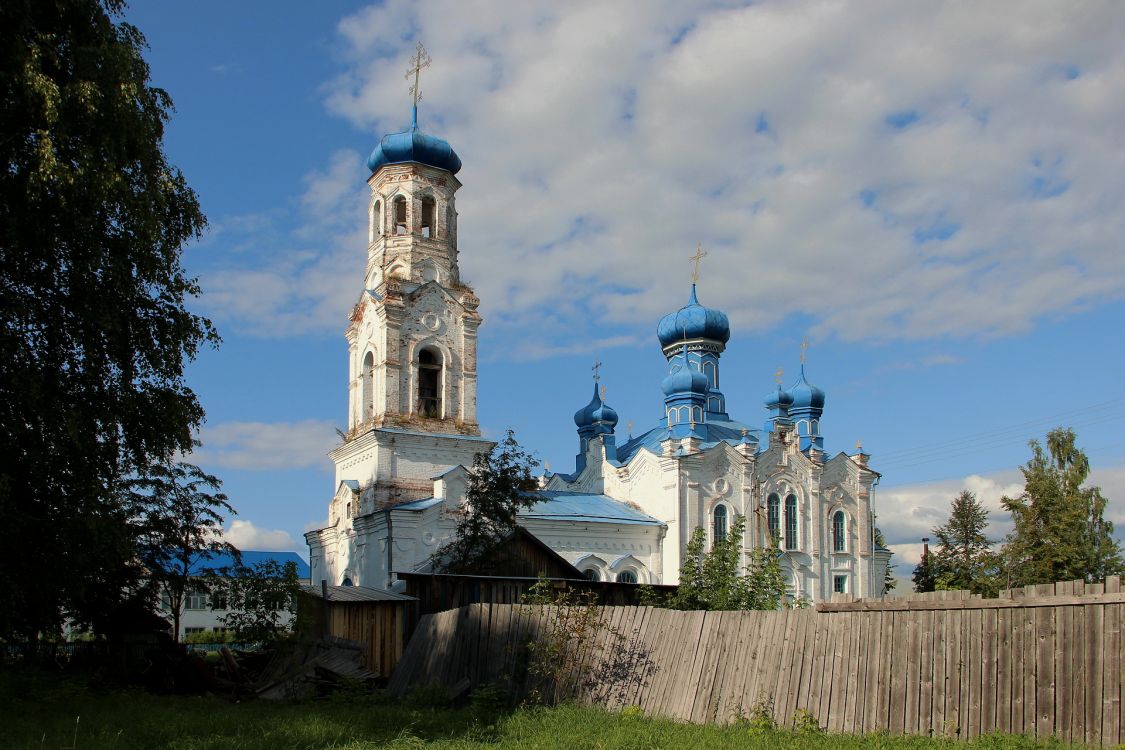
x=773 y=517
x=719 y=517
x=712 y=373
x=400 y=215
x=367 y=389
x=349 y=511
x=591 y=574
x=429 y=384
x=376 y=228
x=791 y=522
x=626 y=576
x=428 y=229
x=838 y=537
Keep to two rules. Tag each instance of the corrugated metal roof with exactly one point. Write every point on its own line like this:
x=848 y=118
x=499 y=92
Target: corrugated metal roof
x=578 y=506
x=250 y=558
x=357 y=594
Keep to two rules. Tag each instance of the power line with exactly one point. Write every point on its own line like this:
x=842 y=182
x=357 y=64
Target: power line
x=1009 y=430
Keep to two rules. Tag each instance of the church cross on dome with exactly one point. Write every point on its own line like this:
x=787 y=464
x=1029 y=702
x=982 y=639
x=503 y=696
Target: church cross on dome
x=778 y=375
x=700 y=254
x=597 y=366
x=420 y=60
x=804 y=349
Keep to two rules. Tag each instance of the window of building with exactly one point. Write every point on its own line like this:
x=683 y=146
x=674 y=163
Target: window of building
x=791 y=522
x=773 y=517
x=400 y=215
x=838 y=537
x=196 y=600
x=626 y=576
x=367 y=389
x=840 y=584
x=218 y=601
x=429 y=384
x=349 y=511
x=376 y=221
x=193 y=630
x=428 y=217
x=719 y=526
x=591 y=574
x=712 y=373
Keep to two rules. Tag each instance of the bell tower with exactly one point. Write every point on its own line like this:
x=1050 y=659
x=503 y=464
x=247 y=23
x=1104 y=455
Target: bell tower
x=412 y=339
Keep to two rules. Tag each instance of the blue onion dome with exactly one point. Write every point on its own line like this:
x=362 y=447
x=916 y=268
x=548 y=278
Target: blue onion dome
x=778 y=397
x=693 y=321
x=595 y=412
x=686 y=380
x=414 y=146
x=805 y=395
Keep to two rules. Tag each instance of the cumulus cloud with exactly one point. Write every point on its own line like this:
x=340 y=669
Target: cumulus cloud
x=246 y=536
x=889 y=170
x=909 y=512
x=294 y=272
x=267 y=445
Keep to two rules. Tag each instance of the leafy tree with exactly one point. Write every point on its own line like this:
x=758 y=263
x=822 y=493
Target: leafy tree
x=712 y=580
x=500 y=485
x=926 y=573
x=260 y=599
x=964 y=558
x=181 y=527
x=94 y=329
x=1060 y=530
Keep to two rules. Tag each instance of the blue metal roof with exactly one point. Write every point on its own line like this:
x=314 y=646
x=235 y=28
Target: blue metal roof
x=712 y=433
x=414 y=146
x=426 y=502
x=250 y=558
x=693 y=321
x=578 y=506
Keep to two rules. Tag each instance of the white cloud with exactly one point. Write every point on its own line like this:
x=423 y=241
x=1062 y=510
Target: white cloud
x=891 y=170
x=246 y=536
x=267 y=446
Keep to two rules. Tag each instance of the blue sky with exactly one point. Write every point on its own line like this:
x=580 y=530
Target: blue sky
x=930 y=193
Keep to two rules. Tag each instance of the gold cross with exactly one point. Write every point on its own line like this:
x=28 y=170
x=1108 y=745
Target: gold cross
x=629 y=427
x=700 y=254
x=859 y=445
x=603 y=393
x=777 y=375
x=419 y=61
x=597 y=366
x=804 y=349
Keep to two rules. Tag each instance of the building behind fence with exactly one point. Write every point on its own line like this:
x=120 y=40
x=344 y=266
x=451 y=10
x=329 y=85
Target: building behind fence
x=1044 y=660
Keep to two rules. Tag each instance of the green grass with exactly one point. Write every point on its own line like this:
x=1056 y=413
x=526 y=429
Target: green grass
x=42 y=712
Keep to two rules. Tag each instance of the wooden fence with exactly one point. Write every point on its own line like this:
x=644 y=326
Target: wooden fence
x=1042 y=661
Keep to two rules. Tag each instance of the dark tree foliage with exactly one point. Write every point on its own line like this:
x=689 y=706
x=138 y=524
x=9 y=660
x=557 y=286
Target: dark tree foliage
x=925 y=573
x=1060 y=532
x=500 y=485
x=179 y=514
x=260 y=599
x=94 y=330
x=964 y=559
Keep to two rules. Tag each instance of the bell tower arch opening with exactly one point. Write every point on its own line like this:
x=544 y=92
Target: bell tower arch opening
x=429 y=383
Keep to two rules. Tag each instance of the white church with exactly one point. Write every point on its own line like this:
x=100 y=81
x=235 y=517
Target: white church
x=627 y=511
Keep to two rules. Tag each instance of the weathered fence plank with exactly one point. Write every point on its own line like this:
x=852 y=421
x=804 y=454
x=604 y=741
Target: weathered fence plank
x=962 y=671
